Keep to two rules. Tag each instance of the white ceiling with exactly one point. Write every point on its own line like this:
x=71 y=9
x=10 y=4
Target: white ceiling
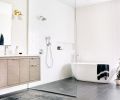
x=80 y=3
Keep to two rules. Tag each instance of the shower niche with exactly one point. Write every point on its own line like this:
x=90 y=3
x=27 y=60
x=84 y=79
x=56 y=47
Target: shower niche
x=5 y=23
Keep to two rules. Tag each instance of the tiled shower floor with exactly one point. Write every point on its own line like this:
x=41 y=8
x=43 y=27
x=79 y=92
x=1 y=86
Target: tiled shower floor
x=64 y=87
x=85 y=91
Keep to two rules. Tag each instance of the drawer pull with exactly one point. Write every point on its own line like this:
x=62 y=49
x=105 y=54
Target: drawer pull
x=14 y=59
x=34 y=65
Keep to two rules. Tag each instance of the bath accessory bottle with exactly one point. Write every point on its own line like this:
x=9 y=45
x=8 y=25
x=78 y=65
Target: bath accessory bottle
x=1 y=39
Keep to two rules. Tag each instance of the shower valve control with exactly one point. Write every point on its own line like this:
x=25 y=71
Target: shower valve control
x=41 y=51
x=59 y=48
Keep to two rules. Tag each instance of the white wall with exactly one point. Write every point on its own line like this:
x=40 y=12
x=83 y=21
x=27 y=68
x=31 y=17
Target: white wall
x=5 y=21
x=19 y=27
x=60 y=26
x=98 y=28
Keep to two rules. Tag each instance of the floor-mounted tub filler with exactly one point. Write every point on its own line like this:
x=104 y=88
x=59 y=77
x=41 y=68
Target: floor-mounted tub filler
x=93 y=72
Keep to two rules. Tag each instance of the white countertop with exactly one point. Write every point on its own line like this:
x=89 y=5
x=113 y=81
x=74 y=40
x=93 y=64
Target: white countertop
x=4 y=56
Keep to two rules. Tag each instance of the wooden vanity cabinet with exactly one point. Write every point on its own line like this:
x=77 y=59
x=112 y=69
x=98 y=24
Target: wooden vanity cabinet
x=13 y=71
x=3 y=73
x=24 y=70
x=19 y=70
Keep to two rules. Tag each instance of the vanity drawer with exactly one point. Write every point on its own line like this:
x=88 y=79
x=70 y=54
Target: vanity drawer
x=34 y=61
x=34 y=73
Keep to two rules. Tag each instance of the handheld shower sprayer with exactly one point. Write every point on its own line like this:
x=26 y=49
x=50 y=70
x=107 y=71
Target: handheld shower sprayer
x=49 y=57
x=48 y=41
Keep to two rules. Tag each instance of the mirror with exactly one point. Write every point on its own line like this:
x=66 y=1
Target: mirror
x=5 y=23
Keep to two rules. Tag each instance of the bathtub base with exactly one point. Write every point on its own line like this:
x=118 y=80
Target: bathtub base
x=87 y=72
x=102 y=82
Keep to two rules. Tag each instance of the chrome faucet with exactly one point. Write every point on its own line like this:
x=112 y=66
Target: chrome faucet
x=5 y=49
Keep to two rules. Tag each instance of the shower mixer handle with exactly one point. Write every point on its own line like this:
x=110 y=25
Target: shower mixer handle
x=41 y=51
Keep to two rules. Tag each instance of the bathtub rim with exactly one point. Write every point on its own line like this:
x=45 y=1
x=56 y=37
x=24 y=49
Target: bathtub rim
x=83 y=63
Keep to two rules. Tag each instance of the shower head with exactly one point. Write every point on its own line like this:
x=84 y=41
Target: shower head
x=42 y=18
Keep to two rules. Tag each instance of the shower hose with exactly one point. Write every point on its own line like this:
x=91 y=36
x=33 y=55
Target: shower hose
x=49 y=57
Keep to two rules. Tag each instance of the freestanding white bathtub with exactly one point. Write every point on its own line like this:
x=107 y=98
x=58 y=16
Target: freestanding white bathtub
x=87 y=72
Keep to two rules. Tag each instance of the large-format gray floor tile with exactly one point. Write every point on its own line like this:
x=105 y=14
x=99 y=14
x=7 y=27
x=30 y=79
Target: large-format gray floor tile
x=83 y=91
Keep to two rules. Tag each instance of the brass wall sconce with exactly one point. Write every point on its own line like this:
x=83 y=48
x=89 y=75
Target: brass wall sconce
x=17 y=13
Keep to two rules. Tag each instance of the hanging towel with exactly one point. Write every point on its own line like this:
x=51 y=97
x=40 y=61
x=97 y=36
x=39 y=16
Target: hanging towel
x=102 y=71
